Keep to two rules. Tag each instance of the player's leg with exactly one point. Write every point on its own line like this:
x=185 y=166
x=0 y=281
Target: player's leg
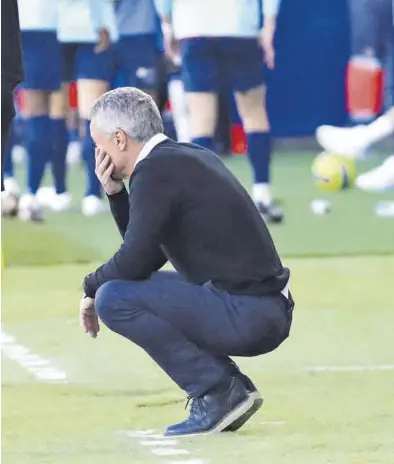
x=69 y=90
x=74 y=150
x=94 y=72
x=38 y=146
x=40 y=48
x=379 y=179
x=200 y=80
x=9 y=201
x=177 y=96
x=10 y=183
x=353 y=141
x=59 y=109
x=7 y=115
x=57 y=197
x=382 y=177
x=244 y=72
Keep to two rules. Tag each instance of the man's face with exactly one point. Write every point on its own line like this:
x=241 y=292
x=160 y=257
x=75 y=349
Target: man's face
x=114 y=146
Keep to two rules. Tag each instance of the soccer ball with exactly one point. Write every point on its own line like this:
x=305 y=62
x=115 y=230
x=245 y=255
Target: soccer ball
x=333 y=173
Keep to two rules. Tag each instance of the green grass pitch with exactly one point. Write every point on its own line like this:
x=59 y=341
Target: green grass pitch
x=342 y=272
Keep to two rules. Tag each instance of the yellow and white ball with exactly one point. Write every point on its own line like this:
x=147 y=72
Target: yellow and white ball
x=333 y=173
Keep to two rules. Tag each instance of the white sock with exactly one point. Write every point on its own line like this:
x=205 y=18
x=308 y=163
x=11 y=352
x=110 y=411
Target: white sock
x=261 y=194
x=179 y=109
x=380 y=129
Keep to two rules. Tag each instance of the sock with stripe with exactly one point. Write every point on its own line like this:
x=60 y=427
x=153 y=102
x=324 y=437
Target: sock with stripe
x=259 y=152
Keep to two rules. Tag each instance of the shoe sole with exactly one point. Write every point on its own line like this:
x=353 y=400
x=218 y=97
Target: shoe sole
x=257 y=403
x=236 y=414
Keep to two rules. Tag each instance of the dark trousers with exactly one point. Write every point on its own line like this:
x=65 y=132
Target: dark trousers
x=7 y=115
x=190 y=330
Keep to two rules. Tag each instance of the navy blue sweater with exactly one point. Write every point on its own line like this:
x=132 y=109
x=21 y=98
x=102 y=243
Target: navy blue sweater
x=186 y=207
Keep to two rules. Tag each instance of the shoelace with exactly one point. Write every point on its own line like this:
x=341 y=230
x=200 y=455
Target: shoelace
x=196 y=403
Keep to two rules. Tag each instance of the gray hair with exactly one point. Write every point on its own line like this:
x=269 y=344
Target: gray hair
x=130 y=110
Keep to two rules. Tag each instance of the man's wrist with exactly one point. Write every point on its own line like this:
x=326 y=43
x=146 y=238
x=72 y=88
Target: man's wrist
x=116 y=192
x=269 y=22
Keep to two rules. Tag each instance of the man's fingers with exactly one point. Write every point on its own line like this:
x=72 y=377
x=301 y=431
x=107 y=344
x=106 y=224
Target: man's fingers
x=100 y=47
x=93 y=327
x=271 y=63
x=90 y=324
x=270 y=58
x=107 y=173
x=82 y=322
x=99 y=155
x=103 y=166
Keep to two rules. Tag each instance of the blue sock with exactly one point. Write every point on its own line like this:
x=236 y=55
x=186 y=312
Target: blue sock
x=93 y=187
x=259 y=151
x=59 y=151
x=206 y=142
x=19 y=125
x=11 y=142
x=38 y=131
x=73 y=134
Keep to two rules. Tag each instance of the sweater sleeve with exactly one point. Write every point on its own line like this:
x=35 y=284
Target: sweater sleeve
x=119 y=205
x=152 y=201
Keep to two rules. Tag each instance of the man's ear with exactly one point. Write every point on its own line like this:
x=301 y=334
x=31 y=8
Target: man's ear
x=121 y=139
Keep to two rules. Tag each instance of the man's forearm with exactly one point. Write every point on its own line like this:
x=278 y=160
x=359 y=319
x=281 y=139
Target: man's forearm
x=120 y=267
x=119 y=204
x=151 y=202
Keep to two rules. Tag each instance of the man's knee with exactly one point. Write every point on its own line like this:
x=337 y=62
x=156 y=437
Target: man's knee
x=251 y=107
x=105 y=301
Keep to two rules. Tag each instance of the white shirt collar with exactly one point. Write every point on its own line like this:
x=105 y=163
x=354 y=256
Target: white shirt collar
x=149 y=146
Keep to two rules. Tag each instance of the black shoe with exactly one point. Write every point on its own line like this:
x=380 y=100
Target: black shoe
x=9 y=204
x=270 y=213
x=215 y=411
x=255 y=395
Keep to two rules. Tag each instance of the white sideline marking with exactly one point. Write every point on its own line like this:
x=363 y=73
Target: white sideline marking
x=159 y=442
x=273 y=423
x=377 y=367
x=138 y=433
x=33 y=363
x=189 y=461
x=169 y=451
x=149 y=438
